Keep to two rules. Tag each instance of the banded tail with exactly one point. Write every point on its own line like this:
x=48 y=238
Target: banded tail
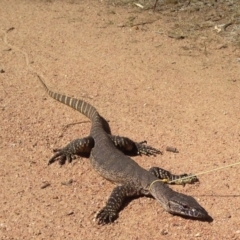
x=83 y=107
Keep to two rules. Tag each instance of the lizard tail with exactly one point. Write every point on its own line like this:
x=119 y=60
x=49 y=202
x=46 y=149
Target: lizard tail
x=83 y=107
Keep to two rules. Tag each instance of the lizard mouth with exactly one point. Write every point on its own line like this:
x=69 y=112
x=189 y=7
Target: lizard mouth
x=194 y=214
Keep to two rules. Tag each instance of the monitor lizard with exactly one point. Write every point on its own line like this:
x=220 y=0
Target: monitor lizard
x=130 y=178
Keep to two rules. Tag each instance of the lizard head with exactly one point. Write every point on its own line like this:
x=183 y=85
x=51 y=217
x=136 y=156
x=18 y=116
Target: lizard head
x=178 y=203
x=187 y=206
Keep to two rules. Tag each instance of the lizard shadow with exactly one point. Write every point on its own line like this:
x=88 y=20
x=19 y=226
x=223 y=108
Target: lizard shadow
x=219 y=195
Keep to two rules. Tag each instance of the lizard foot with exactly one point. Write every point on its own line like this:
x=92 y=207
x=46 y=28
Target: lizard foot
x=185 y=179
x=106 y=216
x=61 y=156
x=147 y=150
x=169 y=178
x=78 y=147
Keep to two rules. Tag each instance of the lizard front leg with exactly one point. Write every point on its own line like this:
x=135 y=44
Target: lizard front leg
x=170 y=178
x=110 y=212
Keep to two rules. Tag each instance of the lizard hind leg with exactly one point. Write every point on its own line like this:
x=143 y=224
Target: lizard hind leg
x=78 y=147
x=133 y=148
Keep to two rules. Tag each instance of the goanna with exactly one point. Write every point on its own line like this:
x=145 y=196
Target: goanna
x=112 y=164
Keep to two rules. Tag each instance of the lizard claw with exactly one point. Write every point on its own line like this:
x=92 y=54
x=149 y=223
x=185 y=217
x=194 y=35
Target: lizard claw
x=61 y=156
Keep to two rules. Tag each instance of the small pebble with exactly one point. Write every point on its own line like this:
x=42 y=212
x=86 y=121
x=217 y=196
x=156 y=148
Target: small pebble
x=45 y=185
x=172 y=149
x=198 y=235
x=164 y=232
x=70 y=213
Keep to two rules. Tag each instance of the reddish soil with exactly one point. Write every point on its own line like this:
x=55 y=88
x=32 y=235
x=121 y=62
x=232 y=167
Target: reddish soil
x=150 y=81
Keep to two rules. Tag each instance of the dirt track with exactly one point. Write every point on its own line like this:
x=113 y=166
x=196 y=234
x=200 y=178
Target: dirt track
x=151 y=82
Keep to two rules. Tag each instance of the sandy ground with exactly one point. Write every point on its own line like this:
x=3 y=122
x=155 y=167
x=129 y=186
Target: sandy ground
x=150 y=81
